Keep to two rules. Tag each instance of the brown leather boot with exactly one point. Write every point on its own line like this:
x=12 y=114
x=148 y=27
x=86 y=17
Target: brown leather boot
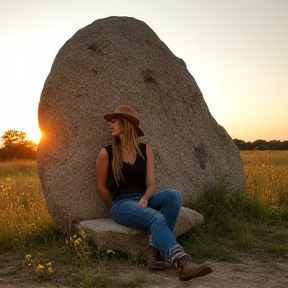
x=188 y=270
x=153 y=259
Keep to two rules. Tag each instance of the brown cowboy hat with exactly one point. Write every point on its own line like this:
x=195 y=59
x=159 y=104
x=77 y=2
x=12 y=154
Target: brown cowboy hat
x=129 y=114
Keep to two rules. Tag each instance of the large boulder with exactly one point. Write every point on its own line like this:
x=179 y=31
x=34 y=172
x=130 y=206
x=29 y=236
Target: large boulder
x=115 y=61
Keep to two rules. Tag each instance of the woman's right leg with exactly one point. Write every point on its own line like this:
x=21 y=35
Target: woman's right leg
x=127 y=212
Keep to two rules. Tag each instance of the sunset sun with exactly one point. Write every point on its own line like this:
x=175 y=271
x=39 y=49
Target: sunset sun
x=34 y=135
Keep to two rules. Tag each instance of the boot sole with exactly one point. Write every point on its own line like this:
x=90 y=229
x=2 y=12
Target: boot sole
x=157 y=265
x=203 y=271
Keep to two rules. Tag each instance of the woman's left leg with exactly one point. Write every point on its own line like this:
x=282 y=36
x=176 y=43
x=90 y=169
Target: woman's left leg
x=168 y=203
x=127 y=212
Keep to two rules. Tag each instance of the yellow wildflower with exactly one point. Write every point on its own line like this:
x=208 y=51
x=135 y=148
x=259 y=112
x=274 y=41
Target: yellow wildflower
x=83 y=234
x=49 y=270
x=39 y=267
x=49 y=264
x=77 y=241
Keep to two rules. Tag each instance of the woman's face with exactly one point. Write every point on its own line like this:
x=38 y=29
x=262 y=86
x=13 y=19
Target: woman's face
x=116 y=127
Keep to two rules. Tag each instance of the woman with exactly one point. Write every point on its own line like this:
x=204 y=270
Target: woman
x=126 y=180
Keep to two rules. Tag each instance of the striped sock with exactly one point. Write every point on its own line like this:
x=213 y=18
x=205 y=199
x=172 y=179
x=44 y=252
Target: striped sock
x=176 y=253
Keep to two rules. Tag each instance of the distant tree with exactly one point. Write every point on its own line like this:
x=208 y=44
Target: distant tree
x=284 y=145
x=261 y=145
x=274 y=145
x=249 y=146
x=240 y=144
x=16 y=146
x=14 y=138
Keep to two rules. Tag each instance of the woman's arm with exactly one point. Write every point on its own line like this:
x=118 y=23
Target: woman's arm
x=150 y=177
x=102 y=167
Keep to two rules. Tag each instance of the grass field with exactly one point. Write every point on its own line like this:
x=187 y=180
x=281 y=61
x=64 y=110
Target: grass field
x=253 y=221
x=23 y=213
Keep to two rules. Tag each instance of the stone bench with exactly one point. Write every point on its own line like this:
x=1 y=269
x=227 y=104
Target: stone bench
x=107 y=234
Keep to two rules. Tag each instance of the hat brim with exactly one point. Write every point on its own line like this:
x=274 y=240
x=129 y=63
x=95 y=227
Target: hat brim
x=130 y=118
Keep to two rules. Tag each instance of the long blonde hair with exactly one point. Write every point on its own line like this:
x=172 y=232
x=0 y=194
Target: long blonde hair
x=130 y=141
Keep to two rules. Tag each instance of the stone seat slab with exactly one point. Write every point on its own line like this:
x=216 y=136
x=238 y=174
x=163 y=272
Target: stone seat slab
x=107 y=234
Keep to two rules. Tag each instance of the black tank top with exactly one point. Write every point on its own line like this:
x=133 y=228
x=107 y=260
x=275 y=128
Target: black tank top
x=134 y=182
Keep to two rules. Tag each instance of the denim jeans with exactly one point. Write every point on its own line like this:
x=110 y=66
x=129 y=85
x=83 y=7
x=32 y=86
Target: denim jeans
x=160 y=217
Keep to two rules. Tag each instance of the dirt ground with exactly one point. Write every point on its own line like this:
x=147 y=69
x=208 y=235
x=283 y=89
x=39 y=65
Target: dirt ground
x=249 y=273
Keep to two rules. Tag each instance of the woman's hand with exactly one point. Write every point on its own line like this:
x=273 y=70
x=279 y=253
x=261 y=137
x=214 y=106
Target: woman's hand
x=143 y=203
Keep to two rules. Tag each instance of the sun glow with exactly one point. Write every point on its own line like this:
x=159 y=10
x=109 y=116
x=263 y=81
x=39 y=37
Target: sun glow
x=34 y=135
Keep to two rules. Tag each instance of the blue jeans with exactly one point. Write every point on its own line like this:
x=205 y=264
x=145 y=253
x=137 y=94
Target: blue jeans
x=160 y=217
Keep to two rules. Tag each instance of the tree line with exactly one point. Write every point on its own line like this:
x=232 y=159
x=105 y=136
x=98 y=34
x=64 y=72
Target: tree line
x=16 y=146
x=261 y=145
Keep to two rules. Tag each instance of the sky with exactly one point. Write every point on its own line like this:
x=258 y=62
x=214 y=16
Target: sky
x=236 y=50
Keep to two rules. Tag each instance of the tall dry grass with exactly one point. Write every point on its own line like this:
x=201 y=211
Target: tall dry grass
x=267 y=177
x=23 y=211
x=24 y=217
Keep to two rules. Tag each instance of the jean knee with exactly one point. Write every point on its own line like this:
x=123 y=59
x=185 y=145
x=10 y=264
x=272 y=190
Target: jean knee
x=158 y=219
x=176 y=196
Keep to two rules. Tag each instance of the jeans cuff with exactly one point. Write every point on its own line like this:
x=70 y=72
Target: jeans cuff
x=176 y=253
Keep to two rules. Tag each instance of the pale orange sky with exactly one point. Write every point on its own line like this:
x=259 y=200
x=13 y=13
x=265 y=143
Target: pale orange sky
x=235 y=50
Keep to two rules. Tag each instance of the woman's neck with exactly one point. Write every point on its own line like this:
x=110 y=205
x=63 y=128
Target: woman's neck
x=129 y=156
